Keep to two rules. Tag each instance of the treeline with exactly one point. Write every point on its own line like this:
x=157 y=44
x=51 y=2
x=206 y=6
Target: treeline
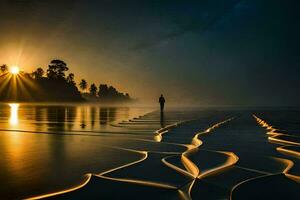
x=103 y=92
x=52 y=85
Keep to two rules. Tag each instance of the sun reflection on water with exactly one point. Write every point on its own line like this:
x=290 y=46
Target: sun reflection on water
x=14 y=118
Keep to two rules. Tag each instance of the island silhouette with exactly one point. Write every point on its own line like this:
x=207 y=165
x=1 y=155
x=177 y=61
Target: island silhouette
x=53 y=85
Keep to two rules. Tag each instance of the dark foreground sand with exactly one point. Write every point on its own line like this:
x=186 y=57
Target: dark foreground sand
x=214 y=155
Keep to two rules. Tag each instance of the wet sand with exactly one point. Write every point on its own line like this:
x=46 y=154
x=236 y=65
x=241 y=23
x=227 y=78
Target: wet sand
x=233 y=159
x=184 y=154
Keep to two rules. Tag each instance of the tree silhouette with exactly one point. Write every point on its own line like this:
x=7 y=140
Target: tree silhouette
x=109 y=93
x=55 y=86
x=3 y=68
x=93 y=90
x=83 y=85
x=57 y=69
x=38 y=73
x=103 y=90
x=32 y=87
x=70 y=79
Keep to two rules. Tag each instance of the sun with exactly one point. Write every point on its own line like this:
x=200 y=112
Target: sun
x=15 y=70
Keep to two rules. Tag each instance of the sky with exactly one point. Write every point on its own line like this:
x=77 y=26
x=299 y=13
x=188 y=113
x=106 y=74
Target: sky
x=204 y=52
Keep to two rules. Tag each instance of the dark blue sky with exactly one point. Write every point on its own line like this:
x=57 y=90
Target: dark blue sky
x=208 y=52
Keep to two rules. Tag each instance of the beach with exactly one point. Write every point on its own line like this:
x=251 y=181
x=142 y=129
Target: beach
x=93 y=152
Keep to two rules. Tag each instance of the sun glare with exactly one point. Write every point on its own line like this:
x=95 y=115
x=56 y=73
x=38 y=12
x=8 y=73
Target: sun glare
x=15 y=70
x=14 y=120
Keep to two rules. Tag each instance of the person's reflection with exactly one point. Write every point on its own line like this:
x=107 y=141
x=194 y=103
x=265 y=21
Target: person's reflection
x=162 y=120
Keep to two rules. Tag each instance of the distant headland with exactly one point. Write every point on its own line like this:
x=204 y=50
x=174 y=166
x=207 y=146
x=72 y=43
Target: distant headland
x=53 y=85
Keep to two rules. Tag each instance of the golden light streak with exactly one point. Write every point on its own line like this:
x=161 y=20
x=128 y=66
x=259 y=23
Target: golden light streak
x=284 y=149
x=272 y=138
x=17 y=83
x=196 y=142
x=288 y=163
x=145 y=156
x=6 y=80
x=217 y=125
x=273 y=134
x=245 y=181
x=232 y=159
x=139 y=182
x=14 y=119
x=192 y=167
x=102 y=175
x=89 y=176
x=185 y=193
x=189 y=165
x=21 y=81
x=160 y=132
x=178 y=169
x=12 y=87
x=293 y=177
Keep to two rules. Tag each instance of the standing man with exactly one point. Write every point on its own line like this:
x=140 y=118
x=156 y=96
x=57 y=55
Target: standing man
x=162 y=103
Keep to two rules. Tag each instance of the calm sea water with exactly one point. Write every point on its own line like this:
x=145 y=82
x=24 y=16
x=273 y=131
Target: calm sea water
x=46 y=148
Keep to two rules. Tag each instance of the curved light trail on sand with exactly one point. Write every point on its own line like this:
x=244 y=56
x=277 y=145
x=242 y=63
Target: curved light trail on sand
x=285 y=150
x=197 y=142
x=145 y=156
x=245 y=181
x=178 y=169
x=103 y=175
x=140 y=182
x=288 y=163
x=280 y=141
x=185 y=192
x=293 y=177
x=158 y=134
x=272 y=132
x=232 y=159
x=187 y=167
x=89 y=176
x=193 y=169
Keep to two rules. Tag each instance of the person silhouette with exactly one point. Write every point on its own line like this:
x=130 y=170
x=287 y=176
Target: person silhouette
x=162 y=103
